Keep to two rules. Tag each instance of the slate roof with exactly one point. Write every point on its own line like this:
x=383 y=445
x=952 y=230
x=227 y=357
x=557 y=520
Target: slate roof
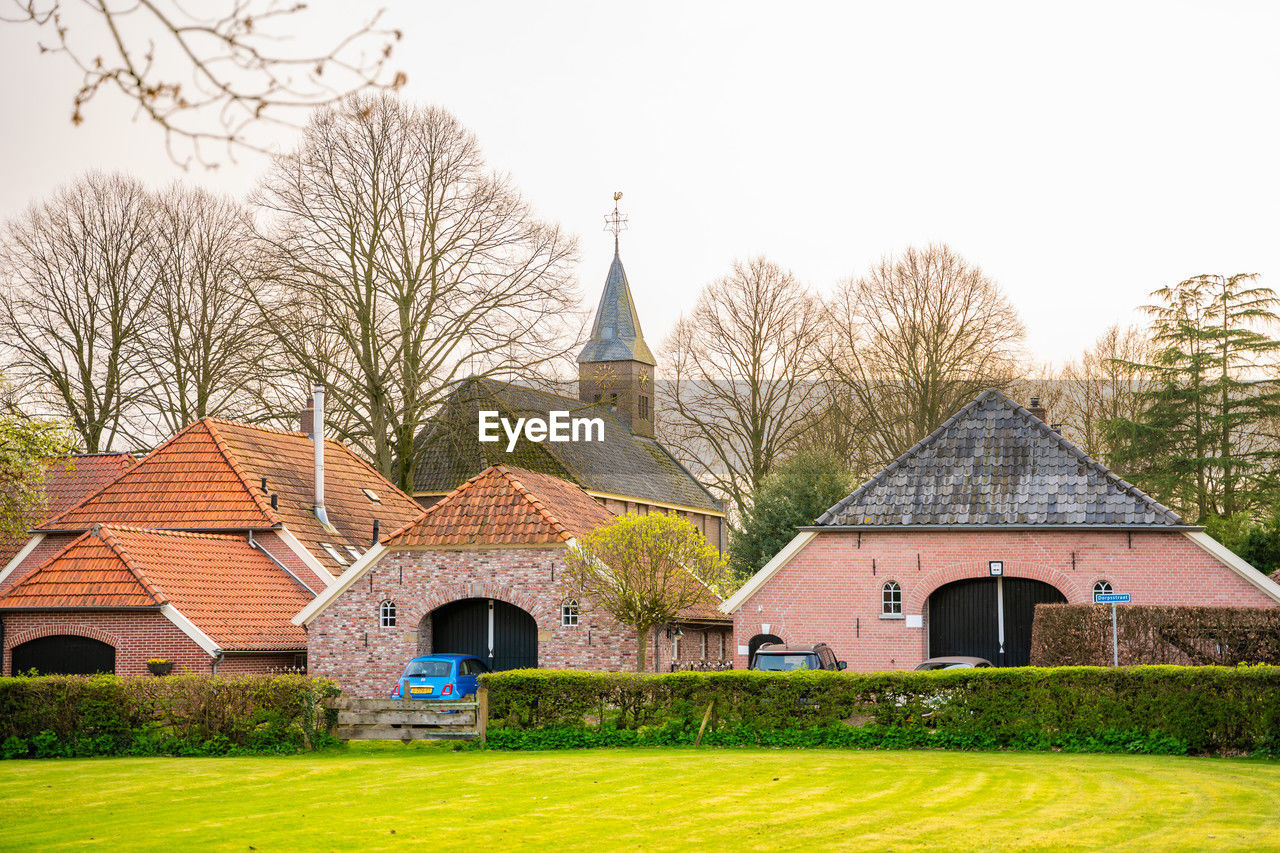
x=209 y=477
x=231 y=591
x=993 y=463
x=623 y=464
x=616 y=333
x=503 y=505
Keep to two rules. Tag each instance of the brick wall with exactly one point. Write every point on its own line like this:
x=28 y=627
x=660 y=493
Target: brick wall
x=831 y=591
x=136 y=636
x=346 y=641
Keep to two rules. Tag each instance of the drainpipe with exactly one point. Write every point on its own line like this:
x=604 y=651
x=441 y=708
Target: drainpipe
x=317 y=439
x=218 y=655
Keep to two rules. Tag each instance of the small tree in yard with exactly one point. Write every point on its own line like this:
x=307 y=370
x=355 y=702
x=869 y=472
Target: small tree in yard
x=643 y=570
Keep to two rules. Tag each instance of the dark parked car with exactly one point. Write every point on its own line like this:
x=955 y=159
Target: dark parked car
x=439 y=677
x=778 y=657
x=954 y=663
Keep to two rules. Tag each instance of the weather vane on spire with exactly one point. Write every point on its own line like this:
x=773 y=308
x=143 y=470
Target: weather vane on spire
x=615 y=222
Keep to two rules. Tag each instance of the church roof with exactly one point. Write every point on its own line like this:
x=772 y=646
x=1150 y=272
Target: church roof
x=623 y=464
x=993 y=463
x=616 y=333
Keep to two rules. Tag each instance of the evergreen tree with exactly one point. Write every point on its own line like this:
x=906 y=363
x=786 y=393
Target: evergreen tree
x=794 y=494
x=1196 y=444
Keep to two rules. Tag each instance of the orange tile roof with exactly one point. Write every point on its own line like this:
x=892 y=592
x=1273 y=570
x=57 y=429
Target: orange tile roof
x=503 y=505
x=230 y=590
x=209 y=477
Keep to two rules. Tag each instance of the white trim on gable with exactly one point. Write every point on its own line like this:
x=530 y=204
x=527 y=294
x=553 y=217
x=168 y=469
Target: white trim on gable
x=340 y=585
x=21 y=555
x=186 y=626
x=771 y=568
x=1232 y=561
x=292 y=543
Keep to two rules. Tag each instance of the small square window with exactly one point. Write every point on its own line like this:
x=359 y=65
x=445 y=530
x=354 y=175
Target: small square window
x=372 y=495
x=569 y=613
x=333 y=552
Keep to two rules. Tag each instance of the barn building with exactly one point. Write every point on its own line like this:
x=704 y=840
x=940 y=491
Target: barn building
x=478 y=573
x=948 y=550
x=627 y=470
x=116 y=578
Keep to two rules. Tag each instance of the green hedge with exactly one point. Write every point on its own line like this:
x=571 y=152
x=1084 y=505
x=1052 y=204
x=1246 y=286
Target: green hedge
x=184 y=715
x=1142 y=709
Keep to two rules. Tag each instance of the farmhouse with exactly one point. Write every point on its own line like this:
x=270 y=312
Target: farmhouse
x=612 y=452
x=117 y=578
x=948 y=550
x=477 y=573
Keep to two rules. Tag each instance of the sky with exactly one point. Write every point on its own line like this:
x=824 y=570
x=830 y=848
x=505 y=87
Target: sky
x=1082 y=154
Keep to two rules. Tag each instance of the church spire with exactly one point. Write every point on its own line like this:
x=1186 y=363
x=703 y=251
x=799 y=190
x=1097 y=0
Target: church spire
x=616 y=367
x=616 y=333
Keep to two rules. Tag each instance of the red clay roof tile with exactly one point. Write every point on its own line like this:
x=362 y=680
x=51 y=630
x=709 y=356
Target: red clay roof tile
x=230 y=590
x=503 y=505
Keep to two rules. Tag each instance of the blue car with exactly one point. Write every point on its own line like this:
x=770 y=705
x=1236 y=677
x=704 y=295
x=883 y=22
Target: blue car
x=439 y=677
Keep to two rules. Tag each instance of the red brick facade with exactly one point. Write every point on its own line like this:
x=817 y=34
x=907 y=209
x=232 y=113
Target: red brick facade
x=831 y=591
x=347 y=643
x=136 y=638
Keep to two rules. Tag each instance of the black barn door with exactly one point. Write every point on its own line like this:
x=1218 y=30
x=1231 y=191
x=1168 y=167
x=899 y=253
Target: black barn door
x=63 y=655
x=462 y=628
x=963 y=619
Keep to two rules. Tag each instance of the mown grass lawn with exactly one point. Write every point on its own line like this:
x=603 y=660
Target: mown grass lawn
x=385 y=796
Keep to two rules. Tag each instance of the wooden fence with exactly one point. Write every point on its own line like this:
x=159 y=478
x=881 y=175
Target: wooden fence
x=410 y=719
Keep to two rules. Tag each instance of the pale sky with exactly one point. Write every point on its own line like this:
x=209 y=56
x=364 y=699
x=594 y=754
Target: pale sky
x=1082 y=154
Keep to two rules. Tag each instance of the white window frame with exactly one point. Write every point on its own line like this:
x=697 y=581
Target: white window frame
x=570 y=615
x=891 y=600
x=387 y=613
x=1103 y=586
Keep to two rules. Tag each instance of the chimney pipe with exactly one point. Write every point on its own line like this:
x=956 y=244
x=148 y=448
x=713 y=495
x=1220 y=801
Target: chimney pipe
x=317 y=441
x=1038 y=410
x=375 y=531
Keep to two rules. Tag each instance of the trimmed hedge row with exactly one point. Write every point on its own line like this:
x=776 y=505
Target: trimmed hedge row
x=1142 y=709
x=65 y=715
x=1080 y=635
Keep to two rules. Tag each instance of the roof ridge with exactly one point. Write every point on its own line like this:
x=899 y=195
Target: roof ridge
x=107 y=536
x=263 y=507
x=181 y=534
x=159 y=447
x=533 y=499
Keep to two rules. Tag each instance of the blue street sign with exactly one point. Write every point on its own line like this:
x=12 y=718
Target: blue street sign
x=1111 y=598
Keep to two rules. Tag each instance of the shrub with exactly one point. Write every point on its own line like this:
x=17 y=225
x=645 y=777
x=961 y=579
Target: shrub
x=1142 y=709
x=186 y=715
x=1080 y=635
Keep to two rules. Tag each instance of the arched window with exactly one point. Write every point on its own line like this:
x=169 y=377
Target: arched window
x=569 y=612
x=891 y=599
x=1102 y=586
x=387 y=613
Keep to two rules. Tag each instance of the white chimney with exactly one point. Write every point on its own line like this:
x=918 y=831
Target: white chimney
x=317 y=441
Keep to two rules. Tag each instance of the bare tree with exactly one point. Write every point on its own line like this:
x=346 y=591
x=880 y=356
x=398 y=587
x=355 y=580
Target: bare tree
x=78 y=276
x=201 y=347
x=207 y=74
x=1105 y=386
x=743 y=371
x=399 y=265
x=914 y=339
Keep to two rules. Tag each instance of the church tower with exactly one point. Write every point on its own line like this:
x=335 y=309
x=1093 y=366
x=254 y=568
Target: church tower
x=615 y=368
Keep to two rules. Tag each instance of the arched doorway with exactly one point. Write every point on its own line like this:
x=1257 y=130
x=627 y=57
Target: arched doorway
x=63 y=654
x=756 y=642
x=499 y=633
x=964 y=618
